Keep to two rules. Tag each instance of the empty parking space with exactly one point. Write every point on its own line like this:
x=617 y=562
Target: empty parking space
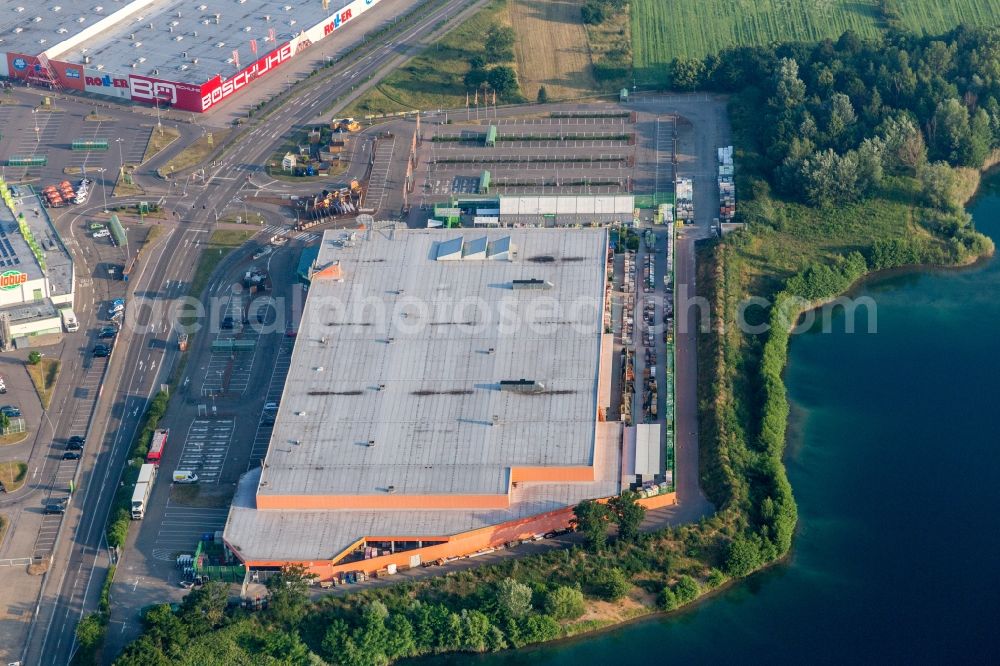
x=205 y=448
x=182 y=527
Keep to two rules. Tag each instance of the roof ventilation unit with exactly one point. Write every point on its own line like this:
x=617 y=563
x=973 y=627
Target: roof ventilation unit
x=533 y=283
x=521 y=386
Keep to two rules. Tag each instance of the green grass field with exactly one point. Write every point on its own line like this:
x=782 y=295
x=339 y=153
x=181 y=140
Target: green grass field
x=433 y=79
x=665 y=29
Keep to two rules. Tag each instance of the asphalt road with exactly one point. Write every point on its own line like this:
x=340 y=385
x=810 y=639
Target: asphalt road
x=72 y=585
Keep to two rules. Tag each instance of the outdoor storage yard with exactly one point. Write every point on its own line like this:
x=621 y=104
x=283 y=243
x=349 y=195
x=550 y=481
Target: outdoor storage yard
x=548 y=155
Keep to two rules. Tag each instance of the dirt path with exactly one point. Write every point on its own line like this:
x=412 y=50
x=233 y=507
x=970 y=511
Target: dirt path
x=551 y=48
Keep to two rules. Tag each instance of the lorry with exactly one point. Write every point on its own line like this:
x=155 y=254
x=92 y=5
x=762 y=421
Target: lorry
x=143 y=487
x=156 y=446
x=184 y=476
x=69 y=320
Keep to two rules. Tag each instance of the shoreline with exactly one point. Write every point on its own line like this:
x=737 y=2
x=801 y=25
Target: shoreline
x=975 y=263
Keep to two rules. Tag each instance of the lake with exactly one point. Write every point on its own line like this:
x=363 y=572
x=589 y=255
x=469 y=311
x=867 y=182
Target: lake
x=894 y=456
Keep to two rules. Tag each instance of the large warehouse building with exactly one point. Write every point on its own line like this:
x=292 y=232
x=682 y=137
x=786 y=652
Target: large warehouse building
x=447 y=394
x=186 y=54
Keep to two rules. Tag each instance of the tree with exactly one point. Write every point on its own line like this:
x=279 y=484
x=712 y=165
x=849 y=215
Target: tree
x=335 y=639
x=687 y=589
x=513 y=598
x=612 y=584
x=401 y=642
x=592 y=13
x=4 y=422
x=627 y=513
x=789 y=89
x=475 y=630
x=564 y=603
x=938 y=181
x=686 y=73
x=592 y=519
x=90 y=632
x=538 y=629
x=205 y=609
x=34 y=358
x=743 y=556
x=499 y=44
x=904 y=143
x=543 y=95
x=503 y=79
x=951 y=131
x=287 y=590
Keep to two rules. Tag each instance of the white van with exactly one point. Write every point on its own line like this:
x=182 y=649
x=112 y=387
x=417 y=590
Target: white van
x=182 y=476
x=69 y=321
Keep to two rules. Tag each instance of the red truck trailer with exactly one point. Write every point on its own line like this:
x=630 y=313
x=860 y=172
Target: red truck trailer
x=156 y=446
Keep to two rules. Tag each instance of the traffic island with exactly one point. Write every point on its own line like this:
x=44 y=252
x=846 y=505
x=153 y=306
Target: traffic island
x=159 y=139
x=12 y=475
x=44 y=373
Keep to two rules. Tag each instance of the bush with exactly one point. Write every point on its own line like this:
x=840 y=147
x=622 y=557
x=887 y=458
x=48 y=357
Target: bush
x=34 y=358
x=687 y=589
x=564 y=603
x=612 y=584
x=743 y=557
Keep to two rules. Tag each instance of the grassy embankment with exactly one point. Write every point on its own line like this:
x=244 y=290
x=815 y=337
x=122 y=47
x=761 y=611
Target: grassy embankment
x=662 y=31
x=43 y=376
x=197 y=152
x=12 y=474
x=159 y=140
x=434 y=79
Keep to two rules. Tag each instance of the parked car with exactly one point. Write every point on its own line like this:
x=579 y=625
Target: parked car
x=290 y=332
x=116 y=307
x=270 y=406
x=118 y=301
x=107 y=332
x=11 y=411
x=228 y=323
x=72 y=455
x=75 y=443
x=102 y=350
x=103 y=233
x=55 y=508
x=96 y=226
x=3 y=386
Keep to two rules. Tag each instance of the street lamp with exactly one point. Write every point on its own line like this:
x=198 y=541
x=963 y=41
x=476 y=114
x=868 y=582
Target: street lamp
x=121 y=158
x=104 y=188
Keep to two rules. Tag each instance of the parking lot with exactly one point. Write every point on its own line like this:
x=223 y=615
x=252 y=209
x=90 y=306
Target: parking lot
x=183 y=526
x=50 y=133
x=274 y=388
x=205 y=447
x=81 y=406
x=529 y=156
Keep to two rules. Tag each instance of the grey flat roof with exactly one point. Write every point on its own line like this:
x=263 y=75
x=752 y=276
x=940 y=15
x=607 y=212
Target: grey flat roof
x=398 y=352
x=25 y=312
x=269 y=536
x=196 y=33
x=33 y=27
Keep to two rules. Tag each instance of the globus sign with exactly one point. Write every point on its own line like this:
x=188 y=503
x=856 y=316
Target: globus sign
x=217 y=90
x=12 y=280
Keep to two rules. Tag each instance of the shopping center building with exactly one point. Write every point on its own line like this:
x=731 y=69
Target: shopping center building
x=185 y=54
x=36 y=270
x=447 y=394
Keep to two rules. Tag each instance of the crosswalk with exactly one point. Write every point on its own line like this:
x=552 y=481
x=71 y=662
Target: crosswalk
x=304 y=236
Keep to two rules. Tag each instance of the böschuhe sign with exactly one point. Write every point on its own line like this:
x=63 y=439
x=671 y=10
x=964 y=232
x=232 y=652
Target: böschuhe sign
x=12 y=279
x=223 y=89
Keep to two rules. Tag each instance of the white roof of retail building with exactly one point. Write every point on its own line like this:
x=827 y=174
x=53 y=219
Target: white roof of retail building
x=407 y=351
